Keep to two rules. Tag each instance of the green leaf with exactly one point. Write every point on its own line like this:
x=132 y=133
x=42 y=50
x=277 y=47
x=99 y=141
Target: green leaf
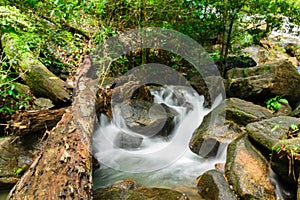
x=295 y=147
x=18 y=171
x=284 y=101
x=275 y=127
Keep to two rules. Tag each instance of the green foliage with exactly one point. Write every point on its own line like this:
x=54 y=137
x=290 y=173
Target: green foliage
x=11 y=19
x=11 y=99
x=275 y=103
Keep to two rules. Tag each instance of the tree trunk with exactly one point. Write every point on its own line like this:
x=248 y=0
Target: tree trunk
x=63 y=169
x=34 y=121
x=41 y=81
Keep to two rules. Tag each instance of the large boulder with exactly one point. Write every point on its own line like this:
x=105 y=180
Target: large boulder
x=268 y=132
x=247 y=171
x=217 y=129
x=212 y=185
x=243 y=112
x=259 y=83
x=276 y=137
x=148 y=119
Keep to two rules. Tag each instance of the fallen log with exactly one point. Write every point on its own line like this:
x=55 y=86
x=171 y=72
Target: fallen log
x=38 y=121
x=41 y=81
x=63 y=169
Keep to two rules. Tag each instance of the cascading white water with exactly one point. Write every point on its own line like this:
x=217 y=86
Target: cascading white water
x=157 y=162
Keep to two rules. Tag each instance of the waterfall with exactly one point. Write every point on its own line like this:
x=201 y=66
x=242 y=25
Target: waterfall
x=157 y=161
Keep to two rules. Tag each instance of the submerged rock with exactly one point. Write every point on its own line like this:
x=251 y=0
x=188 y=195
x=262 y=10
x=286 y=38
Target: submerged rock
x=128 y=189
x=212 y=185
x=126 y=141
x=247 y=171
x=259 y=83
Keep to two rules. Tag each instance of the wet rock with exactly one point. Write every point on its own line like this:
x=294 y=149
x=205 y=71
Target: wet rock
x=148 y=119
x=212 y=185
x=268 y=132
x=126 y=141
x=247 y=171
x=285 y=162
x=128 y=189
x=217 y=129
x=259 y=83
x=210 y=87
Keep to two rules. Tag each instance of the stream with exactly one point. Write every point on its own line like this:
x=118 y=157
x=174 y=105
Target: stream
x=157 y=162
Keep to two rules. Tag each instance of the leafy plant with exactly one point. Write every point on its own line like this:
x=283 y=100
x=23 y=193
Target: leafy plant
x=294 y=127
x=11 y=98
x=275 y=103
x=284 y=148
x=293 y=131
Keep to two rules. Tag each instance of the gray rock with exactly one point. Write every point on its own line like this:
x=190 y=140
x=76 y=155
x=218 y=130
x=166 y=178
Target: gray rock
x=212 y=185
x=216 y=129
x=126 y=141
x=258 y=53
x=285 y=109
x=15 y=155
x=149 y=119
x=246 y=170
x=210 y=87
x=243 y=112
x=259 y=83
x=296 y=112
x=270 y=131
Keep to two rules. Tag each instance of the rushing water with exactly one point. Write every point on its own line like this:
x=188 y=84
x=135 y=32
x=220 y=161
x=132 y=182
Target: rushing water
x=157 y=162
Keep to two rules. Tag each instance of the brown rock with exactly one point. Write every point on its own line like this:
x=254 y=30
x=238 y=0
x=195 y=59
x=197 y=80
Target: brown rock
x=247 y=171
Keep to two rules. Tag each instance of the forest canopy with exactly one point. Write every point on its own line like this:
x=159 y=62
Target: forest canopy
x=59 y=32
